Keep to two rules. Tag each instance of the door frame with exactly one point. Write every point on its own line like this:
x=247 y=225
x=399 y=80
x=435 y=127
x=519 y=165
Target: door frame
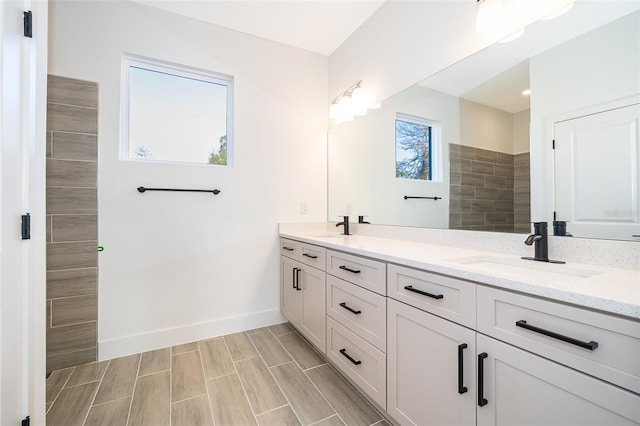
x=23 y=77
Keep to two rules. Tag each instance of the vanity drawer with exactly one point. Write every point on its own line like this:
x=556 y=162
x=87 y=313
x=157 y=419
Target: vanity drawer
x=366 y=273
x=358 y=360
x=289 y=248
x=603 y=346
x=360 y=310
x=444 y=296
x=313 y=255
x=308 y=254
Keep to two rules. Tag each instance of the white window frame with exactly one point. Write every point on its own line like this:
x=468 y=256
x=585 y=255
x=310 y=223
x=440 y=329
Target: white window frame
x=131 y=60
x=436 y=144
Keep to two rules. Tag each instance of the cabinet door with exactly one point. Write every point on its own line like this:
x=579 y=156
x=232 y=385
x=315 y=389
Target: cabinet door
x=290 y=296
x=313 y=316
x=521 y=388
x=423 y=370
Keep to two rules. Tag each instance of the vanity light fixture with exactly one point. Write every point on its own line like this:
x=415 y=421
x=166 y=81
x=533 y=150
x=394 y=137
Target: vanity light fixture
x=526 y=92
x=356 y=100
x=497 y=17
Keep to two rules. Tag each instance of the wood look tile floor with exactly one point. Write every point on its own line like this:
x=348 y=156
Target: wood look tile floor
x=267 y=376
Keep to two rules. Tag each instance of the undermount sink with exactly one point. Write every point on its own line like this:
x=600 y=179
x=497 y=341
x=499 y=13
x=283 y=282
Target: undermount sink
x=528 y=268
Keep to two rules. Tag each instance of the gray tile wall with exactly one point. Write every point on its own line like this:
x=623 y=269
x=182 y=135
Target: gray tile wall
x=72 y=222
x=521 y=193
x=483 y=189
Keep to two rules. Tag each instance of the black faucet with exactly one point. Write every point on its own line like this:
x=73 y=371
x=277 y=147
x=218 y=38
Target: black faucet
x=345 y=223
x=539 y=237
x=361 y=219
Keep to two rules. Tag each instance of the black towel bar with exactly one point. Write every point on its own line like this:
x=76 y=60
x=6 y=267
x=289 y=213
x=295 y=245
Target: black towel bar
x=406 y=197
x=142 y=189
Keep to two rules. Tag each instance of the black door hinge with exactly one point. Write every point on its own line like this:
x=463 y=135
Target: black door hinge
x=553 y=144
x=26 y=421
x=28 y=23
x=26 y=226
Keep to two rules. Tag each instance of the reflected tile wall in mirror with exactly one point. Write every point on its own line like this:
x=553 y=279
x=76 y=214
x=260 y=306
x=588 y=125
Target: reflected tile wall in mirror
x=483 y=193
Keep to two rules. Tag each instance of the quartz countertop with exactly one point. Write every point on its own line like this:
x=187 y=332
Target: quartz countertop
x=610 y=290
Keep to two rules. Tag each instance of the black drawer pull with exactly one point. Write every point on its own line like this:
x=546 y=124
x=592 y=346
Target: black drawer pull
x=344 y=305
x=481 y=399
x=587 y=345
x=461 y=388
x=424 y=293
x=345 y=354
x=287 y=248
x=293 y=280
x=310 y=256
x=298 y=278
x=355 y=271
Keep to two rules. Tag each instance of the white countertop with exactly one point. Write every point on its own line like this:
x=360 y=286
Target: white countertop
x=609 y=290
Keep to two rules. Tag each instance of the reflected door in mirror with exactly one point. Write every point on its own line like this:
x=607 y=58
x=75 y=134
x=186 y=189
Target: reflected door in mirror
x=597 y=185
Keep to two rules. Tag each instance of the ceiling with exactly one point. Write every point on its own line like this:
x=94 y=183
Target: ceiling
x=319 y=26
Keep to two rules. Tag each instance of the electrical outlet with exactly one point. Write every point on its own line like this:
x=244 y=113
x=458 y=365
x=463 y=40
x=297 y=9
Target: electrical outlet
x=304 y=207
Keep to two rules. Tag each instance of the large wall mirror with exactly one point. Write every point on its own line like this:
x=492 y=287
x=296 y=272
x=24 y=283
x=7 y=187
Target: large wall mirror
x=466 y=149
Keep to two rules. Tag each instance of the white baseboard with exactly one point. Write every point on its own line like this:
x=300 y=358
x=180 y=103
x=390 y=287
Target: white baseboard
x=114 y=348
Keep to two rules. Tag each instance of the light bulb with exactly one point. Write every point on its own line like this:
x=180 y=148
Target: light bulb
x=492 y=17
x=361 y=100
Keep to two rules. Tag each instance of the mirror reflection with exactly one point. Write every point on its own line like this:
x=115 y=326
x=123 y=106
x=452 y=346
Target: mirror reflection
x=470 y=148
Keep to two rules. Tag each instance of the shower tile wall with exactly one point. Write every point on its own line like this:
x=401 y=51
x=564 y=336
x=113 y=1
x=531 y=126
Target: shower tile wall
x=521 y=193
x=72 y=232
x=483 y=191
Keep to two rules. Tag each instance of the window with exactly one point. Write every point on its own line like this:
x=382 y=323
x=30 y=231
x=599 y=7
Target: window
x=415 y=147
x=175 y=113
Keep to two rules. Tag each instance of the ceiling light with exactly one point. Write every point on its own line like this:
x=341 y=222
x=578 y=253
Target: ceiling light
x=493 y=17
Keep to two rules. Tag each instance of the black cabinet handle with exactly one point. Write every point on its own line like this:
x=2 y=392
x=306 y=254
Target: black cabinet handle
x=461 y=388
x=355 y=271
x=344 y=305
x=310 y=256
x=287 y=248
x=587 y=345
x=481 y=400
x=298 y=278
x=293 y=280
x=345 y=354
x=424 y=293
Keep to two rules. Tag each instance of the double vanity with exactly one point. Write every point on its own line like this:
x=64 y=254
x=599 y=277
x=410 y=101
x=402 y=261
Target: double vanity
x=437 y=334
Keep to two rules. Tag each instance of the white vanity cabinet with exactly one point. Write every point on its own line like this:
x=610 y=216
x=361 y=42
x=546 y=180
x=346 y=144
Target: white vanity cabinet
x=302 y=292
x=440 y=370
x=433 y=349
x=356 y=321
x=522 y=388
x=567 y=372
x=430 y=368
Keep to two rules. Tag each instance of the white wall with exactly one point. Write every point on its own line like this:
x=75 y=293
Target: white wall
x=179 y=267
x=367 y=145
x=521 y=137
x=482 y=126
x=569 y=78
